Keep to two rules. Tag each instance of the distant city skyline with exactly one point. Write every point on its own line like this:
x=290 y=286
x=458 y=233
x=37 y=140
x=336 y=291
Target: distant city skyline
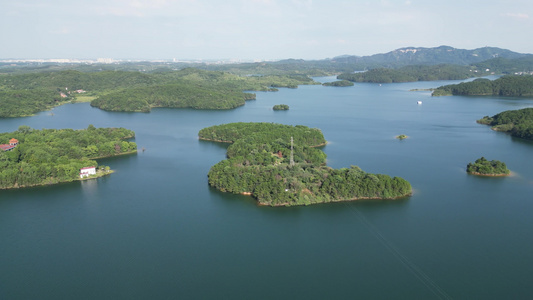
x=253 y=30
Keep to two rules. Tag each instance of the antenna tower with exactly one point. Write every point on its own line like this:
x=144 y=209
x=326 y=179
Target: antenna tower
x=292 y=150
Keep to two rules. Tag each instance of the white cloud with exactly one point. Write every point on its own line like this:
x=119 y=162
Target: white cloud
x=517 y=15
x=303 y=3
x=61 y=31
x=147 y=8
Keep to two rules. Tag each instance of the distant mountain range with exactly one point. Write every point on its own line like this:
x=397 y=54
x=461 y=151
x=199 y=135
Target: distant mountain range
x=495 y=59
x=428 y=56
x=501 y=60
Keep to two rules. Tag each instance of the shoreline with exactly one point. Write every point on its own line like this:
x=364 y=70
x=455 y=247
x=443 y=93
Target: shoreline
x=109 y=156
x=320 y=145
x=335 y=201
x=98 y=175
x=213 y=140
x=490 y=175
x=259 y=203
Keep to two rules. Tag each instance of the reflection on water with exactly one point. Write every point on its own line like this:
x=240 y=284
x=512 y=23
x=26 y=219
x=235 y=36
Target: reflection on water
x=89 y=188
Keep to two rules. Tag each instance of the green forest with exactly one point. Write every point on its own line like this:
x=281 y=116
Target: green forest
x=180 y=95
x=21 y=103
x=506 y=86
x=28 y=93
x=260 y=163
x=50 y=156
x=518 y=123
x=482 y=166
x=412 y=73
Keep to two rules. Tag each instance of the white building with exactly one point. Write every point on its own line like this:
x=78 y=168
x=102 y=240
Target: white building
x=85 y=172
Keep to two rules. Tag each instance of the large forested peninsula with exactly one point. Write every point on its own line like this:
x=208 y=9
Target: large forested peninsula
x=180 y=95
x=412 y=73
x=52 y=156
x=518 y=123
x=26 y=94
x=279 y=165
x=507 y=86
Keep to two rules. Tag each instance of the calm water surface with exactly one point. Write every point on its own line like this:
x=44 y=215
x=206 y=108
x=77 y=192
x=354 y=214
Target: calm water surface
x=154 y=229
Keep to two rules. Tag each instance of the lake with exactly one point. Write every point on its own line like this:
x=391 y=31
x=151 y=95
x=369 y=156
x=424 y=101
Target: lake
x=155 y=230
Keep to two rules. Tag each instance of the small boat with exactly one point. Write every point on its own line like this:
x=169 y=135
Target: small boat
x=419 y=102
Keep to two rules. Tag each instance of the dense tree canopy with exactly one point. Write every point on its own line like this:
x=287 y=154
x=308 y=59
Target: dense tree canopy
x=232 y=132
x=518 y=123
x=19 y=103
x=507 y=86
x=143 y=99
x=412 y=73
x=261 y=163
x=484 y=167
x=56 y=155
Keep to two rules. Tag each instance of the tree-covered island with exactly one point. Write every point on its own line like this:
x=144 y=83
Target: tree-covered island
x=339 y=83
x=518 y=123
x=30 y=157
x=279 y=165
x=280 y=107
x=484 y=167
x=401 y=137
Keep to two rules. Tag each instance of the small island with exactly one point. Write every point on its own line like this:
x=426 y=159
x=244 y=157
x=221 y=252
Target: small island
x=401 y=137
x=484 y=167
x=340 y=83
x=30 y=157
x=280 y=107
x=280 y=165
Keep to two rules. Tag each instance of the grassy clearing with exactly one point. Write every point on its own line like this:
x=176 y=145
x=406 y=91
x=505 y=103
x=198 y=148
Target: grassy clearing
x=84 y=98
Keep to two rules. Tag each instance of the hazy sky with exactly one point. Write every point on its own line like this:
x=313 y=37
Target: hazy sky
x=256 y=29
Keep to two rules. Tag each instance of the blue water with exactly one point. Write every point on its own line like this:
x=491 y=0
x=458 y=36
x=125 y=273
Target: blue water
x=154 y=229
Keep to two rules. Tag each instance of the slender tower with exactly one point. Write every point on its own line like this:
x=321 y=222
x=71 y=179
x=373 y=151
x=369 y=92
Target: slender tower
x=292 y=150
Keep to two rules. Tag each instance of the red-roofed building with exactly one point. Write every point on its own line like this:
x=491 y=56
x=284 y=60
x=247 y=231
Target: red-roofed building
x=12 y=144
x=6 y=147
